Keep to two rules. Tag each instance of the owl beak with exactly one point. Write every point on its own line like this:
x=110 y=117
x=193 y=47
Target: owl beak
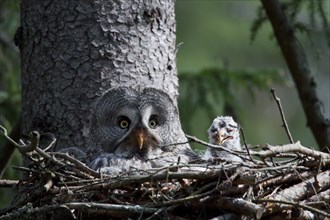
x=140 y=138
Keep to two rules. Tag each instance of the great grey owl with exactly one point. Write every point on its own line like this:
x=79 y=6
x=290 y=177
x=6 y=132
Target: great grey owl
x=137 y=129
x=224 y=131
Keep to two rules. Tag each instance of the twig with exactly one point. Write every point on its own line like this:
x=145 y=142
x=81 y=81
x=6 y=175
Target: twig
x=51 y=144
x=280 y=179
x=212 y=184
x=219 y=147
x=34 y=137
x=8 y=183
x=325 y=195
x=78 y=164
x=49 y=181
x=240 y=206
x=50 y=158
x=186 y=199
x=84 y=206
x=25 y=169
x=296 y=148
x=278 y=101
x=246 y=147
x=110 y=207
x=121 y=182
x=295 y=204
x=156 y=214
x=279 y=168
x=5 y=133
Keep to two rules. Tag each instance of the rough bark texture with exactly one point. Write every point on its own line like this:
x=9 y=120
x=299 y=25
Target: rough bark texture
x=74 y=51
x=298 y=65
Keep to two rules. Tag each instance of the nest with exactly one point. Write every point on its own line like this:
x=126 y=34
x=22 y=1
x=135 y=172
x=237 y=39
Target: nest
x=275 y=182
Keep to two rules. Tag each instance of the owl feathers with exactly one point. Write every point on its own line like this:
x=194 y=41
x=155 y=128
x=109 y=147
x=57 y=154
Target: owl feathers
x=224 y=131
x=138 y=129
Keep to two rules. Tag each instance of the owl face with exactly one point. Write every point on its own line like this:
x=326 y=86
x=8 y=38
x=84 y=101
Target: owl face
x=129 y=123
x=223 y=130
x=141 y=129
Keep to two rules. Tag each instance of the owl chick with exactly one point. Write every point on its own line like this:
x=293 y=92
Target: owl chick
x=224 y=131
x=137 y=129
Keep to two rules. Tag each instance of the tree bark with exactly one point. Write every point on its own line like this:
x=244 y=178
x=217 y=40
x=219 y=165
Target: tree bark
x=74 y=51
x=300 y=72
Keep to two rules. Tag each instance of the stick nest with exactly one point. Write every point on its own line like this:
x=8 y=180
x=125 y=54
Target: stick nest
x=286 y=182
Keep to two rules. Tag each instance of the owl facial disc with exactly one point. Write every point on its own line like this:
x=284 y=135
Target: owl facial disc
x=130 y=125
x=139 y=140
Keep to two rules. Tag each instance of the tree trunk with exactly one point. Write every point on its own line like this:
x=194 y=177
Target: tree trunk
x=72 y=52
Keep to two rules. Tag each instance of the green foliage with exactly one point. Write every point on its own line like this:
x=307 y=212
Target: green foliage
x=216 y=90
x=258 y=22
x=10 y=92
x=317 y=10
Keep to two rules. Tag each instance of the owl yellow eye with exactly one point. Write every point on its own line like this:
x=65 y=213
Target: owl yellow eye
x=123 y=123
x=153 y=123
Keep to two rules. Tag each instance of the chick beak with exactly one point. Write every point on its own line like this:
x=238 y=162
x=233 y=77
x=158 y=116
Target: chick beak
x=222 y=138
x=219 y=137
x=140 y=138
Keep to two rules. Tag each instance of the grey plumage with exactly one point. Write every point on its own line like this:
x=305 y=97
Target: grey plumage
x=137 y=129
x=224 y=131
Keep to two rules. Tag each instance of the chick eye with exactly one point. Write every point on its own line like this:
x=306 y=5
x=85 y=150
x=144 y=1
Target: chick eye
x=153 y=123
x=213 y=130
x=123 y=122
x=229 y=130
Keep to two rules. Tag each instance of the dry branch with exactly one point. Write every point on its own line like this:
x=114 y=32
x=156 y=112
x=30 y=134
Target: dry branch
x=292 y=148
x=323 y=197
x=241 y=207
x=8 y=183
x=285 y=124
x=298 y=192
